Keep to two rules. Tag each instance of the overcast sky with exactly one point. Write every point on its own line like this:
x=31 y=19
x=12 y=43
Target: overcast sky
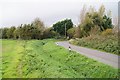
x=16 y=12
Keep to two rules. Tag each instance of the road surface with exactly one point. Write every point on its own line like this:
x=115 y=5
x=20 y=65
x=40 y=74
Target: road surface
x=107 y=58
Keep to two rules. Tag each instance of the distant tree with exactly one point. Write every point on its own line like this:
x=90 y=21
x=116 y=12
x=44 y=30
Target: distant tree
x=71 y=32
x=16 y=33
x=82 y=14
x=101 y=10
x=26 y=31
x=30 y=31
x=49 y=33
x=38 y=27
x=35 y=30
x=61 y=27
x=101 y=13
x=76 y=33
x=4 y=33
x=88 y=23
x=20 y=32
x=97 y=20
x=93 y=19
x=38 y=24
x=10 y=32
x=91 y=10
x=79 y=28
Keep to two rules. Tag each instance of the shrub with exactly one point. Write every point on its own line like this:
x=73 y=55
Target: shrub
x=107 y=32
x=104 y=43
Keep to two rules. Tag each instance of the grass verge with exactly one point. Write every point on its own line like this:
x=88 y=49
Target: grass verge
x=44 y=59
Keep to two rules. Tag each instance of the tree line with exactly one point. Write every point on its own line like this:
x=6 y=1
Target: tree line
x=91 y=22
x=35 y=30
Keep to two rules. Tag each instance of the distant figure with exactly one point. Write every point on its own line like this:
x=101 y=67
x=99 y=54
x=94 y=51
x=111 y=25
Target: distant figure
x=57 y=44
x=69 y=48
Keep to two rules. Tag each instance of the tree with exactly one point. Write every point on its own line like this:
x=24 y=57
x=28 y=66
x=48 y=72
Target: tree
x=71 y=32
x=101 y=10
x=107 y=22
x=82 y=14
x=97 y=20
x=4 y=33
x=16 y=33
x=61 y=27
x=88 y=23
x=49 y=33
x=27 y=31
x=38 y=27
x=78 y=33
x=10 y=32
x=92 y=19
x=34 y=30
x=37 y=23
x=20 y=32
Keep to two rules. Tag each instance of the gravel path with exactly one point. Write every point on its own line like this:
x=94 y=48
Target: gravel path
x=103 y=57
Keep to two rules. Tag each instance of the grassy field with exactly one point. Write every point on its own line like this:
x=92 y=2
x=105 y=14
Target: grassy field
x=44 y=59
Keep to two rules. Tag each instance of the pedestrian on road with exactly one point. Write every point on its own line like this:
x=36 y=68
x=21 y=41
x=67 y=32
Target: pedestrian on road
x=57 y=44
x=69 y=48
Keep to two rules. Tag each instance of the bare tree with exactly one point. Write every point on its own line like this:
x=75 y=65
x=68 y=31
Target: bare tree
x=91 y=10
x=101 y=10
x=82 y=14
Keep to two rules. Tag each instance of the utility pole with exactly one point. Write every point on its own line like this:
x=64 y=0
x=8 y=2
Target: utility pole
x=65 y=30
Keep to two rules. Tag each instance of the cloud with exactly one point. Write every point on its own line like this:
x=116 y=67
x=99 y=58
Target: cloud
x=16 y=12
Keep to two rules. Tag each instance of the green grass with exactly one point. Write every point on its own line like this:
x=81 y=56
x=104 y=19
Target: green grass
x=44 y=59
x=10 y=57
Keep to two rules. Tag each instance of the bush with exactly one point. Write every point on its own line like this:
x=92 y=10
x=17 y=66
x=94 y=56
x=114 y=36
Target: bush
x=103 y=43
x=107 y=32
